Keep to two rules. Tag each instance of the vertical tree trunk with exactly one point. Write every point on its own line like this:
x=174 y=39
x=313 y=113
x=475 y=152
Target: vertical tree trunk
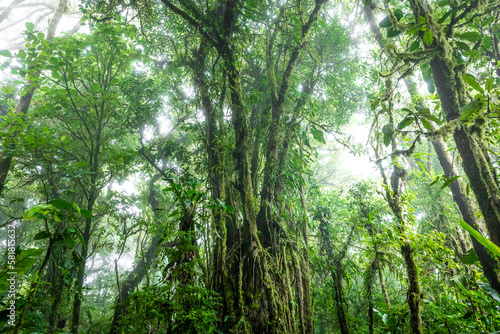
x=340 y=302
x=308 y=307
x=221 y=281
x=77 y=302
x=382 y=284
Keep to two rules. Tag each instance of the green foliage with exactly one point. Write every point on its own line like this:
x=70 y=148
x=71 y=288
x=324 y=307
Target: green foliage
x=484 y=241
x=187 y=309
x=155 y=92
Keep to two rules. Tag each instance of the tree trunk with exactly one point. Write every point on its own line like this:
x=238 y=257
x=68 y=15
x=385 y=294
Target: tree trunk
x=77 y=302
x=340 y=302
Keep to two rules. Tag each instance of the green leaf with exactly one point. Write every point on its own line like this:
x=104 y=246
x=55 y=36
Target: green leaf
x=470 y=36
x=421 y=165
x=471 y=81
x=30 y=26
x=443 y=3
x=21 y=54
x=393 y=32
x=86 y=213
x=444 y=17
x=46 y=43
x=387 y=131
x=387 y=139
x=31 y=213
x=436 y=180
x=318 y=135
x=469 y=257
x=415 y=45
x=5 y=53
x=463 y=46
x=487 y=43
x=61 y=204
x=54 y=61
x=488 y=85
x=426 y=124
x=68 y=238
x=398 y=13
x=483 y=240
x=405 y=122
x=96 y=87
x=467 y=111
x=449 y=181
x=425 y=112
x=385 y=23
x=41 y=235
x=468 y=106
x=24 y=261
x=493 y=294
x=428 y=38
x=228 y=208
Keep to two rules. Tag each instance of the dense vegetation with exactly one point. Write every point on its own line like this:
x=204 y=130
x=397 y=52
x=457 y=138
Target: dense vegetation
x=176 y=167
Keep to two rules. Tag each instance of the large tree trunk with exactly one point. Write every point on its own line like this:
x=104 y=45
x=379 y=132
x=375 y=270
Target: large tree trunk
x=258 y=280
